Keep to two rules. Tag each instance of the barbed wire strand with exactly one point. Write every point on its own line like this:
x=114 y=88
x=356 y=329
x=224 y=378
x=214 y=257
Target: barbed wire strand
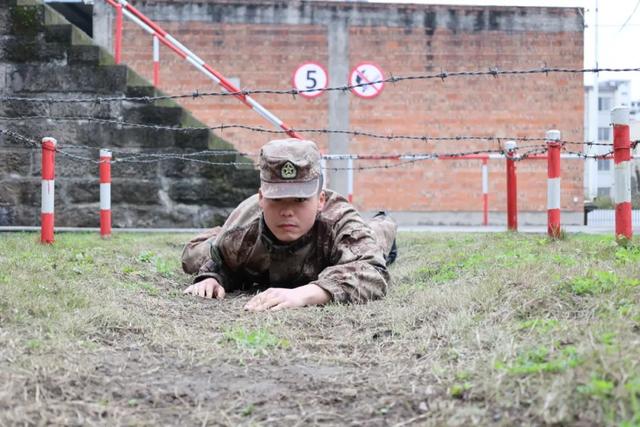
x=442 y=76
x=393 y=137
x=522 y=153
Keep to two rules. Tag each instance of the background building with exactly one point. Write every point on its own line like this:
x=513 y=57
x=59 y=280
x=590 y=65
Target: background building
x=612 y=93
x=261 y=43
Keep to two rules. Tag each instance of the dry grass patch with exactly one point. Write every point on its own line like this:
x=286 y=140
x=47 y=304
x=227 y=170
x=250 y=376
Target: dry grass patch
x=500 y=329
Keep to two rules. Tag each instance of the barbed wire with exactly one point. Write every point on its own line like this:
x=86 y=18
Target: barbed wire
x=356 y=133
x=442 y=75
x=18 y=137
x=520 y=154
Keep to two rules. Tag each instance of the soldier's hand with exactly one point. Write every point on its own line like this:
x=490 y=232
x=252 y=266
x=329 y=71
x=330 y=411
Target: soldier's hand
x=279 y=298
x=208 y=288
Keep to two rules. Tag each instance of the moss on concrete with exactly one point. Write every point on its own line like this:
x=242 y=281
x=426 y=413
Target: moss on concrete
x=26 y=20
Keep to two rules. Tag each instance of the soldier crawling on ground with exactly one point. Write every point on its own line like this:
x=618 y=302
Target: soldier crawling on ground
x=297 y=243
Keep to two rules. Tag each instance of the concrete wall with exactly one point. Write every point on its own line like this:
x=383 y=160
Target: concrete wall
x=262 y=42
x=56 y=61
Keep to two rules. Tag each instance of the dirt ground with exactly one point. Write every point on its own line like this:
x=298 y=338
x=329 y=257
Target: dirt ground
x=99 y=333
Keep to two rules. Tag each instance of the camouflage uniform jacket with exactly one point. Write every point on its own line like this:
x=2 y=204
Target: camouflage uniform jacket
x=339 y=254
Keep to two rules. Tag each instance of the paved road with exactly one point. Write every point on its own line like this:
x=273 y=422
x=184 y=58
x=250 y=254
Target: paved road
x=542 y=229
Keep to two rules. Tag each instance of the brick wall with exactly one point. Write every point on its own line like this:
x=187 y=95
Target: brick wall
x=262 y=43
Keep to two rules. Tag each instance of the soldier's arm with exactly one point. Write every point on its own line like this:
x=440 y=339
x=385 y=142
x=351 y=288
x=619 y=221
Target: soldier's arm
x=216 y=268
x=358 y=272
x=215 y=263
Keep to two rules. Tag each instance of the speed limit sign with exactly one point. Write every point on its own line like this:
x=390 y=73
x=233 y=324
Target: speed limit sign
x=310 y=78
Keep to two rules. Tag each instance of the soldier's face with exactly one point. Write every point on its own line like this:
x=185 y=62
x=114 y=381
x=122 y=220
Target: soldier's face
x=291 y=218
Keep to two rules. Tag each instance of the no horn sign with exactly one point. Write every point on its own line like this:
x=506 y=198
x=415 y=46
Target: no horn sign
x=366 y=77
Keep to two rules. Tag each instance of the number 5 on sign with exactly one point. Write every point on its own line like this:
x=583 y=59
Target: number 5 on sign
x=310 y=78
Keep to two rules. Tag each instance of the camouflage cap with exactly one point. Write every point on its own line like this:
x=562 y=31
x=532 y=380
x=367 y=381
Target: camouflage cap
x=289 y=168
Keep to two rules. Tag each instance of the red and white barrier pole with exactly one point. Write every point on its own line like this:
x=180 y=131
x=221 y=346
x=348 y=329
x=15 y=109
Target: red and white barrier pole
x=105 y=193
x=622 y=160
x=485 y=191
x=350 y=180
x=156 y=61
x=117 y=49
x=512 y=186
x=553 y=183
x=48 y=186
x=154 y=29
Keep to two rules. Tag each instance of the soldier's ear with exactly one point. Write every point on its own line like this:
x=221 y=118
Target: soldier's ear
x=322 y=198
x=260 y=198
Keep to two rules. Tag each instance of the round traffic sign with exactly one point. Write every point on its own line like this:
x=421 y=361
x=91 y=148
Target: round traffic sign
x=365 y=78
x=310 y=78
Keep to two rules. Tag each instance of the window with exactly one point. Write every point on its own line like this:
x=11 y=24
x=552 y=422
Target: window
x=604 y=134
x=604 y=192
x=604 y=164
x=604 y=104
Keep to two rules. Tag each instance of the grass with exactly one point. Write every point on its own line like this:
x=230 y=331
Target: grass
x=502 y=329
x=255 y=341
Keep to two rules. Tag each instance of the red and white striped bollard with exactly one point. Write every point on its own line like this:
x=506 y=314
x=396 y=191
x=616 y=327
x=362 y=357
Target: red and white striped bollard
x=553 y=183
x=105 y=193
x=512 y=186
x=48 y=187
x=622 y=160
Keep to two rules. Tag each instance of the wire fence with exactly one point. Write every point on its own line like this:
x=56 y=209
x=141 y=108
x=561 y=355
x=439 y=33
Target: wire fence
x=442 y=75
x=259 y=129
x=131 y=155
x=401 y=159
x=607 y=218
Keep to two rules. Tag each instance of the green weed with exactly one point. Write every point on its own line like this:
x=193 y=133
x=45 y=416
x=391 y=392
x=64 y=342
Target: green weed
x=564 y=260
x=164 y=267
x=149 y=289
x=437 y=274
x=81 y=257
x=540 y=360
x=463 y=375
x=256 y=341
x=539 y=325
x=34 y=344
x=598 y=388
x=458 y=390
x=128 y=269
x=608 y=338
x=633 y=388
x=628 y=255
x=161 y=265
x=599 y=282
x=247 y=410
x=625 y=307
x=146 y=256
